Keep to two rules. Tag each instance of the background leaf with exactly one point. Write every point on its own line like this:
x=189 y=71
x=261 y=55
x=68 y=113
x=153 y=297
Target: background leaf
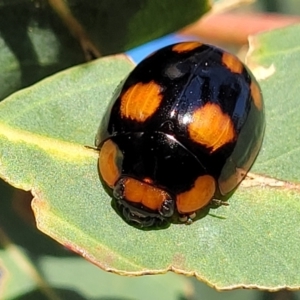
x=251 y=243
x=134 y=22
x=34 y=42
x=280 y=90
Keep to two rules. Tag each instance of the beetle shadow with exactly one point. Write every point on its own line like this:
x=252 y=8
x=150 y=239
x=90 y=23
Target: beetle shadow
x=175 y=219
x=163 y=225
x=220 y=200
x=212 y=207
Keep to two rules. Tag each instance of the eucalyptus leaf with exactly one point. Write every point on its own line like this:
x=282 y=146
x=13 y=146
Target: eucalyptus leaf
x=35 y=42
x=44 y=131
x=33 y=266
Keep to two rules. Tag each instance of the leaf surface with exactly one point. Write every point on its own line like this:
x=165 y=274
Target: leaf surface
x=35 y=42
x=252 y=243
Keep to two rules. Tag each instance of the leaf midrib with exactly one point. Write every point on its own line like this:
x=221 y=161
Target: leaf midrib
x=62 y=150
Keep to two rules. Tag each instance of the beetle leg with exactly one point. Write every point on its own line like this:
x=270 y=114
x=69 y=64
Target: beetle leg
x=218 y=202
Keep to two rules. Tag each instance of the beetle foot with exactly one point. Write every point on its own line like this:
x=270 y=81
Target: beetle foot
x=188 y=218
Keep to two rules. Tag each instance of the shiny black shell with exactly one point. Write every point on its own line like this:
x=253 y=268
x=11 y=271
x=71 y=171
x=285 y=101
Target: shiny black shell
x=194 y=81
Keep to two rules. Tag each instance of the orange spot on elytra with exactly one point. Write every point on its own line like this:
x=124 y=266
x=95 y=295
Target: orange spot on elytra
x=143 y=193
x=186 y=46
x=232 y=63
x=141 y=101
x=108 y=162
x=211 y=127
x=256 y=95
x=198 y=196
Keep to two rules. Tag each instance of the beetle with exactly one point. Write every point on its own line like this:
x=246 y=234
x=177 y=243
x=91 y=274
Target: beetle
x=184 y=127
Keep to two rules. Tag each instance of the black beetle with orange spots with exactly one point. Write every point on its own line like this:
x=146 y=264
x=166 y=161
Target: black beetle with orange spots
x=185 y=126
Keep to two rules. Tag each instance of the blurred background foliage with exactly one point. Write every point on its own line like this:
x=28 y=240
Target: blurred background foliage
x=43 y=268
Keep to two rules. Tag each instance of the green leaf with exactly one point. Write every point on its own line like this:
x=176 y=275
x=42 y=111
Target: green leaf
x=34 y=41
x=32 y=266
x=275 y=54
x=252 y=243
x=136 y=22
